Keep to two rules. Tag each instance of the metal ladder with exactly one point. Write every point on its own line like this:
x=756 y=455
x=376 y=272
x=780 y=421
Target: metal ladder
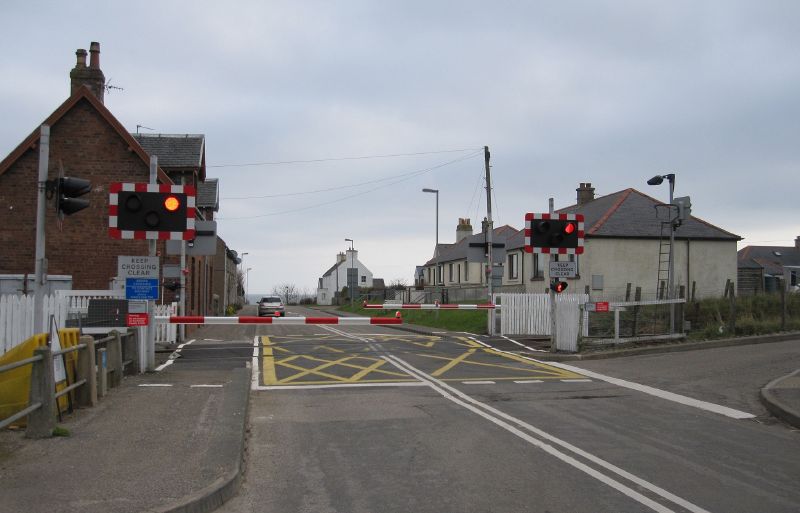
x=663 y=261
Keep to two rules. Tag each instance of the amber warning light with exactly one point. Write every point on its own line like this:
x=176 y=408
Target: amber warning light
x=172 y=203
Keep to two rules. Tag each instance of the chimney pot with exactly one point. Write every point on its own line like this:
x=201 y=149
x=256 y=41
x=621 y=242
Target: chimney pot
x=94 y=57
x=81 y=58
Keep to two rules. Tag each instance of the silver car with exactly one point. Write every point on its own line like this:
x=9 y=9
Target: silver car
x=271 y=305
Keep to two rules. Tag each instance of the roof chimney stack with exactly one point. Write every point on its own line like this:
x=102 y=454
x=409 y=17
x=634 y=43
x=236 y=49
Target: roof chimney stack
x=91 y=77
x=463 y=230
x=585 y=193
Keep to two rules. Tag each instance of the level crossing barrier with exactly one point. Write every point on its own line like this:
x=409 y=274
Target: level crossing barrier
x=431 y=306
x=200 y=319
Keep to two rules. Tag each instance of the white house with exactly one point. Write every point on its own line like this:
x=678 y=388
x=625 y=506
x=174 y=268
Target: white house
x=623 y=244
x=335 y=278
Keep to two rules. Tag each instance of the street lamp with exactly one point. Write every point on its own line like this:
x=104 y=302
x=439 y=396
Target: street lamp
x=435 y=191
x=351 y=283
x=247 y=286
x=658 y=180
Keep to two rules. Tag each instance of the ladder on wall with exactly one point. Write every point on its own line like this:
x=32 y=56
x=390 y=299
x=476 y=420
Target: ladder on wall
x=662 y=281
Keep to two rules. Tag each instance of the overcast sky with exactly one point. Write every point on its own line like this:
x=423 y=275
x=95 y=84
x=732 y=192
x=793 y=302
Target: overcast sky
x=610 y=93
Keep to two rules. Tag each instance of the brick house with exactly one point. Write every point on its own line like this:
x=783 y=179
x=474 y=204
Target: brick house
x=86 y=141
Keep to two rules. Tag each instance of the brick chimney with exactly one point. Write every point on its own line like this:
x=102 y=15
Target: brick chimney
x=340 y=258
x=91 y=76
x=463 y=230
x=585 y=193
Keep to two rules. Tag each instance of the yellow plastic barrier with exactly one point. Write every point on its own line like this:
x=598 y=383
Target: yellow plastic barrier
x=15 y=384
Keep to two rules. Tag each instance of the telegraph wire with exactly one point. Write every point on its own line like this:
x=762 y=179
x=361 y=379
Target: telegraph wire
x=335 y=159
x=404 y=178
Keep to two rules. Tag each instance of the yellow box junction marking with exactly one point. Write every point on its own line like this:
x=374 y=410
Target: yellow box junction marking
x=531 y=369
x=360 y=368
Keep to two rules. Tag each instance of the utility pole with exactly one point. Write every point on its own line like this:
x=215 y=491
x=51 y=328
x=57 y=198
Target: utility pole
x=489 y=230
x=553 y=296
x=41 y=262
x=151 y=329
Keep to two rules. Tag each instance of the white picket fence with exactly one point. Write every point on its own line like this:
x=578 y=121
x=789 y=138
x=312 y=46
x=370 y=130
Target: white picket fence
x=529 y=314
x=17 y=315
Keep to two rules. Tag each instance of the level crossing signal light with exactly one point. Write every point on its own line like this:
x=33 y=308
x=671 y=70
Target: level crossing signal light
x=151 y=211
x=554 y=233
x=68 y=190
x=558 y=286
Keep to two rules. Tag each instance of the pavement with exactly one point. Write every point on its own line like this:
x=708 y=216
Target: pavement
x=174 y=442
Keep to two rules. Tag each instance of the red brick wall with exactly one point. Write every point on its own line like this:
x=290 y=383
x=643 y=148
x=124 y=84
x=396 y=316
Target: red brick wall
x=80 y=246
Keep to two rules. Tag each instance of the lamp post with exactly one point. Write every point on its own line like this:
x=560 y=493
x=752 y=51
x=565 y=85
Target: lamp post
x=247 y=286
x=435 y=191
x=351 y=283
x=658 y=180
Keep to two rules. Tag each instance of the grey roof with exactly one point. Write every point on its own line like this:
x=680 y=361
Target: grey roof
x=330 y=271
x=461 y=250
x=208 y=194
x=174 y=150
x=770 y=258
x=632 y=214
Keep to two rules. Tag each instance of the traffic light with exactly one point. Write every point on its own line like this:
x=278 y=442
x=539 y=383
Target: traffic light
x=558 y=286
x=151 y=211
x=554 y=233
x=67 y=191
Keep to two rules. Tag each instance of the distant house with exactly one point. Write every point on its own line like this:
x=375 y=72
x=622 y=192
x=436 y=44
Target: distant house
x=335 y=279
x=767 y=268
x=457 y=270
x=623 y=242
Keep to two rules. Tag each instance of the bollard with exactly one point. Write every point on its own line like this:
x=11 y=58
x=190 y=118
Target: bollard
x=42 y=421
x=102 y=373
x=87 y=394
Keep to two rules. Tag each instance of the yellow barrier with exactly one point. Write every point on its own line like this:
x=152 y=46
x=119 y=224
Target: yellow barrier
x=15 y=384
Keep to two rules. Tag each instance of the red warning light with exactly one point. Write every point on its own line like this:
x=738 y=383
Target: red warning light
x=569 y=228
x=172 y=203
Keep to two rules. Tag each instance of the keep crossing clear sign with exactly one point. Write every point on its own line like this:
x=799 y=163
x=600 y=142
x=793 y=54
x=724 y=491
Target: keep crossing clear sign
x=141 y=276
x=563 y=269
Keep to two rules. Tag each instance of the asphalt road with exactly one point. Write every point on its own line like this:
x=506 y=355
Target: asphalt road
x=372 y=419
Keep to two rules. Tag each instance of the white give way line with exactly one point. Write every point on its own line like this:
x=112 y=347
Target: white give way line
x=548 y=443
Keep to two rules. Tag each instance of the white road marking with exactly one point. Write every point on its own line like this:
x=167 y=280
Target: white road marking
x=155 y=385
x=477 y=382
x=526 y=381
x=493 y=415
x=663 y=394
x=205 y=386
x=173 y=356
x=342 y=385
x=576 y=380
x=523 y=345
x=256 y=374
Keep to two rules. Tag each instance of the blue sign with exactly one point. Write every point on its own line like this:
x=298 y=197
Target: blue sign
x=141 y=288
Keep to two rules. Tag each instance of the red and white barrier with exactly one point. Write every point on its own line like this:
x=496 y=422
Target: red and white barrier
x=200 y=319
x=433 y=306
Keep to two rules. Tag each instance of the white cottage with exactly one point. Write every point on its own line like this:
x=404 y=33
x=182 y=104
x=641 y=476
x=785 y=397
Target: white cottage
x=335 y=279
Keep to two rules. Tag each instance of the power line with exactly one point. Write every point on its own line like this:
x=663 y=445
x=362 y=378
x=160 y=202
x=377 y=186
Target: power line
x=334 y=159
x=399 y=180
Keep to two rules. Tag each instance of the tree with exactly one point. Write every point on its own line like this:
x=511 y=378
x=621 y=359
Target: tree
x=287 y=292
x=398 y=284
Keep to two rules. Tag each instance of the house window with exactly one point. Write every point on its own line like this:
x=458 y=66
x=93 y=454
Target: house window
x=363 y=279
x=574 y=258
x=450 y=273
x=440 y=273
x=513 y=271
x=793 y=278
x=466 y=271
x=459 y=273
x=538 y=272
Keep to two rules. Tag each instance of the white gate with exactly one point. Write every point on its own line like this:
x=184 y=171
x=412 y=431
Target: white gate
x=529 y=314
